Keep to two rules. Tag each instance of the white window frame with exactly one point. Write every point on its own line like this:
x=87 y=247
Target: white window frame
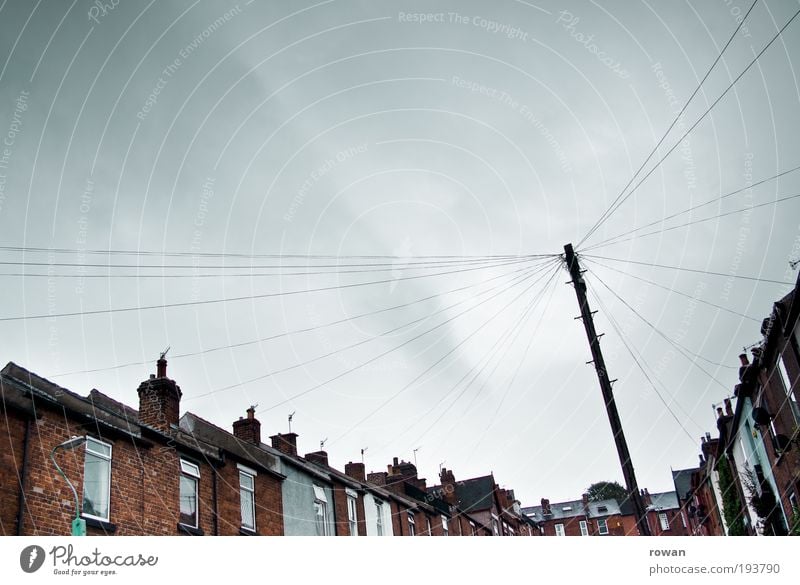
x=602 y=528
x=560 y=530
x=495 y=525
x=663 y=520
x=192 y=471
x=379 y=517
x=412 y=524
x=584 y=525
x=428 y=525
x=786 y=381
x=251 y=473
x=473 y=528
x=99 y=454
x=445 y=526
x=352 y=511
x=320 y=505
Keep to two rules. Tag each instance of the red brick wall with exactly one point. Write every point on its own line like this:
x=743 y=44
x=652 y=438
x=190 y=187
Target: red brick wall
x=12 y=436
x=341 y=522
x=269 y=504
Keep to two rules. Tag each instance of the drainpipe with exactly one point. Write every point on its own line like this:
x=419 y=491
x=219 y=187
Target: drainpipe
x=215 y=520
x=23 y=476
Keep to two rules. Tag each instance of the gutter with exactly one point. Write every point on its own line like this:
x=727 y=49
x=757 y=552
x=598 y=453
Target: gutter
x=23 y=476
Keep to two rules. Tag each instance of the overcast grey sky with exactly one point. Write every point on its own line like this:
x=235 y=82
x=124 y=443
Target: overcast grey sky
x=402 y=129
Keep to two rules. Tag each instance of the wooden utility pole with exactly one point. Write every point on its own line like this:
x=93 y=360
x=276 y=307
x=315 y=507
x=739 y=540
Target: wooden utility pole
x=605 y=387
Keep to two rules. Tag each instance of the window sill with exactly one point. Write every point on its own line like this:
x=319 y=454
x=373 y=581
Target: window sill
x=101 y=524
x=183 y=529
x=247 y=532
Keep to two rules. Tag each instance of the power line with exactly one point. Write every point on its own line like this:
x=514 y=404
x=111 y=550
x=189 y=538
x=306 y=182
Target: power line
x=619 y=332
x=505 y=287
x=198 y=254
x=694 y=270
x=611 y=209
x=248 y=297
x=513 y=378
x=694 y=207
x=688 y=223
x=362 y=364
x=298 y=331
x=515 y=331
x=377 y=267
x=429 y=368
x=672 y=290
x=391 y=267
x=682 y=350
x=693 y=126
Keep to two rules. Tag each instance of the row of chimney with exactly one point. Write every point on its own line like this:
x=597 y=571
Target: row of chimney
x=159 y=408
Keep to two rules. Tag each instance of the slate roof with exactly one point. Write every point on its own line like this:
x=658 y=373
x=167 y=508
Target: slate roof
x=210 y=433
x=664 y=501
x=475 y=494
x=682 y=478
x=574 y=508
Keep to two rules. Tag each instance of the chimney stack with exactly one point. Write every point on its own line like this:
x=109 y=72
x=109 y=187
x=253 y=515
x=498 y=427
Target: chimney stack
x=585 y=498
x=728 y=407
x=448 y=481
x=285 y=443
x=546 y=511
x=159 y=400
x=318 y=457
x=377 y=478
x=356 y=471
x=248 y=429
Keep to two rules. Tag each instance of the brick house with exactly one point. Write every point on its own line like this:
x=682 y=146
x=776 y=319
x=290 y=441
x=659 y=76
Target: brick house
x=137 y=472
x=580 y=518
x=698 y=494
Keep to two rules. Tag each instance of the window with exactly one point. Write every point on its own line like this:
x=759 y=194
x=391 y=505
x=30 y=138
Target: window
x=472 y=528
x=320 y=511
x=445 y=527
x=560 y=530
x=663 y=521
x=190 y=476
x=602 y=508
x=379 y=516
x=412 y=525
x=602 y=526
x=495 y=526
x=97 y=479
x=566 y=509
x=683 y=518
x=428 y=524
x=352 y=517
x=505 y=529
x=584 y=528
x=247 y=497
x=787 y=387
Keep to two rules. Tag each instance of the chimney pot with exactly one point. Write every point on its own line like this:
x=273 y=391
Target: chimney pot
x=728 y=407
x=161 y=368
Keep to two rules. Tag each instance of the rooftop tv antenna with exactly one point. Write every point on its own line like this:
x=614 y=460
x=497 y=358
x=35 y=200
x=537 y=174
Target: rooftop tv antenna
x=164 y=353
x=291 y=416
x=363 y=450
x=322 y=444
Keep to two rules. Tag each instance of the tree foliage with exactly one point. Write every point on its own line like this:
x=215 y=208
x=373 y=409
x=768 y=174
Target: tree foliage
x=607 y=490
x=731 y=504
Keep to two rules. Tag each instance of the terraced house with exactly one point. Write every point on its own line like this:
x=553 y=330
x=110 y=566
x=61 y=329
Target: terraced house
x=155 y=471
